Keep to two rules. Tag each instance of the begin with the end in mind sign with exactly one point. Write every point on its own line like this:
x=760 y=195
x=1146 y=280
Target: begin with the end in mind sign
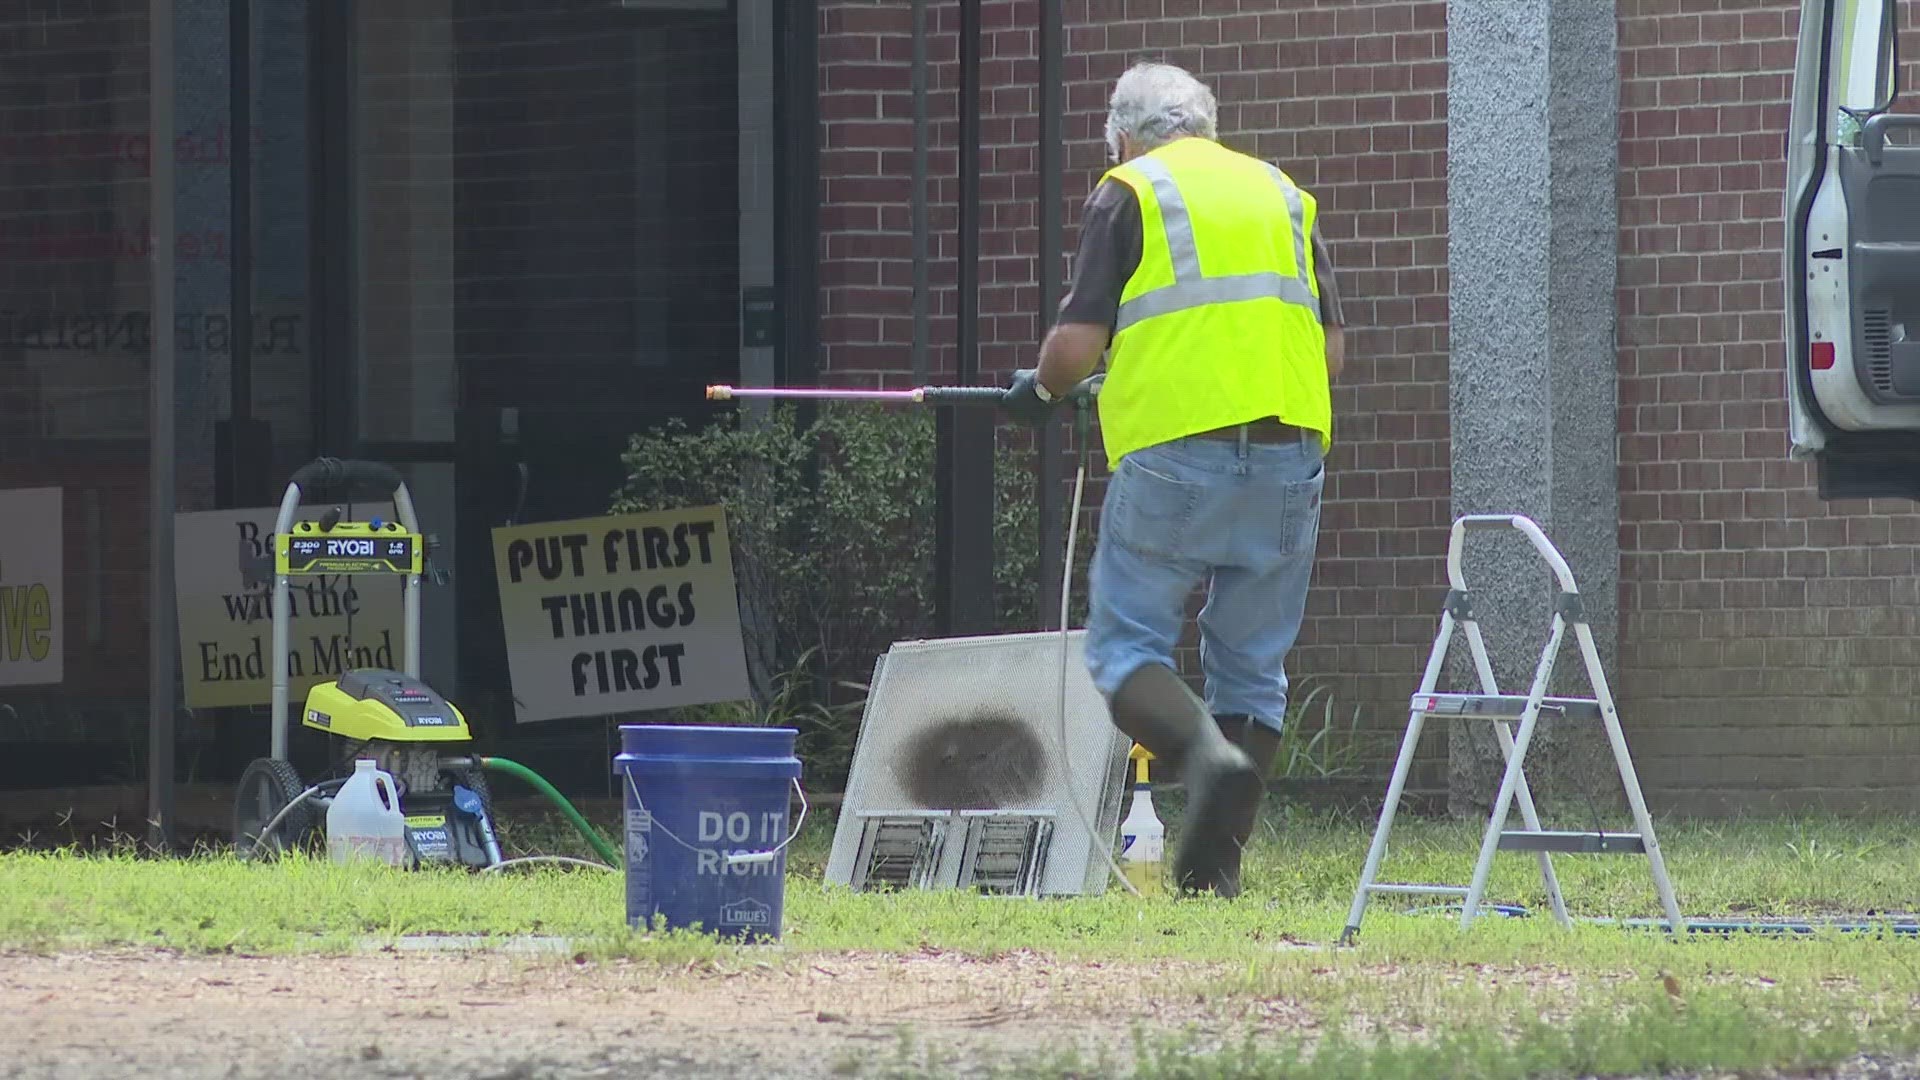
x=335 y=621
x=610 y=614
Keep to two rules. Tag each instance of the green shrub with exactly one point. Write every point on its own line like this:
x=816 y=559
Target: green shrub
x=1322 y=751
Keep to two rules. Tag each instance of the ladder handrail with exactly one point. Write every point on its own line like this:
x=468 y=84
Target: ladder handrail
x=1561 y=571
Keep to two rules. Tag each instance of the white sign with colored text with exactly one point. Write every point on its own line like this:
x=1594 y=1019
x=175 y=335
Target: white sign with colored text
x=33 y=619
x=629 y=612
x=335 y=621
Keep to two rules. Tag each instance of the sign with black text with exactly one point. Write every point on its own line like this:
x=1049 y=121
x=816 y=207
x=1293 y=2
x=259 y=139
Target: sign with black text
x=335 y=621
x=635 y=611
x=33 y=619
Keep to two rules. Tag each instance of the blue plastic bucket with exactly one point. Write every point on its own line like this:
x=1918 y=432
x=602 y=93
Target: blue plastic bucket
x=704 y=806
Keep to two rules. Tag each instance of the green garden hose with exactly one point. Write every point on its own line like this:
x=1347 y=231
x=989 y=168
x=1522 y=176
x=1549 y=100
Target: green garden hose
x=539 y=783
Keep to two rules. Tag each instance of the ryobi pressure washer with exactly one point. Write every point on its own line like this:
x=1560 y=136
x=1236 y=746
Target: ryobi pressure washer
x=388 y=716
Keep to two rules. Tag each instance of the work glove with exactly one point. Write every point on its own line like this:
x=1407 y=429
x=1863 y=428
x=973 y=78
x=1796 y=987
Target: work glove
x=1023 y=399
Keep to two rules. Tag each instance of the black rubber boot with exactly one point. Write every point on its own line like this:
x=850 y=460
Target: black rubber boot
x=1158 y=711
x=1261 y=744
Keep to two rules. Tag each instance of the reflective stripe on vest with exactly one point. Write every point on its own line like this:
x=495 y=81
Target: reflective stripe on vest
x=1190 y=289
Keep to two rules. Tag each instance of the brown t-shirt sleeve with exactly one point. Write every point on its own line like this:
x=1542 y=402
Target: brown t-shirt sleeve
x=1110 y=251
x=1323 y=276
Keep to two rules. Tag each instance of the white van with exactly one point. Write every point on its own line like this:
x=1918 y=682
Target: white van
x=1852 y=252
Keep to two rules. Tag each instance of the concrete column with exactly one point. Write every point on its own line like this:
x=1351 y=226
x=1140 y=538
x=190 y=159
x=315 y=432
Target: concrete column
x=1533 y=93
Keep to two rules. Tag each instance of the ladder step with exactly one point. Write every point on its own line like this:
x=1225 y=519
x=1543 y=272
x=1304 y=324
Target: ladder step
x=1573 y=842
x=1421 y=890
x=1495 y=706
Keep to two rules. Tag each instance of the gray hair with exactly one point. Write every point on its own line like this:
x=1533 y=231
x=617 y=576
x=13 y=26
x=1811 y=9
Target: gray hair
x=1153 y=104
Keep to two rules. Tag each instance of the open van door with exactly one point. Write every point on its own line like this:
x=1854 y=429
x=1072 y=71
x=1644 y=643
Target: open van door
x=1852 y=254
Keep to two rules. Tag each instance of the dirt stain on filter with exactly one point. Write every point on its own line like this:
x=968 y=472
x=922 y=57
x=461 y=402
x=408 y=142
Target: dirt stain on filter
x=979 y=761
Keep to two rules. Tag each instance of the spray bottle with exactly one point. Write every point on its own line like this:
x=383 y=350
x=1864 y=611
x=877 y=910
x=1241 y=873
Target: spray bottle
x=1143 y=839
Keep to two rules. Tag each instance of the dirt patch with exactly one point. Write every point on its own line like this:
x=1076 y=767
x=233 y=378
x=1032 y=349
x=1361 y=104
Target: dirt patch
x=493 y=1016
x=478 y=1016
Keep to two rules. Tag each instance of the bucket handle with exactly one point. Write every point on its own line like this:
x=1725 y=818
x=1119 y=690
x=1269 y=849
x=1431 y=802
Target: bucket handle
x=736 y=858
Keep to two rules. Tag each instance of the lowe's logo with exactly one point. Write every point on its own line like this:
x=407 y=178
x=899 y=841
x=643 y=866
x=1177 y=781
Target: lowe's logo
x=747 y=912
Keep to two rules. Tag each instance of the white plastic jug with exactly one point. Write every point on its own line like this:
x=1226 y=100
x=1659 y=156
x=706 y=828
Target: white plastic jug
x=365 y=820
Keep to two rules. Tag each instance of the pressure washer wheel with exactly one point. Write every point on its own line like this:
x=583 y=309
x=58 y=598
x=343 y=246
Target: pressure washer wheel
x=266 y=787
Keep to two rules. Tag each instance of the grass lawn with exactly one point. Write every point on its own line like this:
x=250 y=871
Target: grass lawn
x=1415 y=997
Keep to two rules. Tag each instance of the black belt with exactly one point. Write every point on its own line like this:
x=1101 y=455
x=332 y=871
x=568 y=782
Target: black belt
x=1266 y=430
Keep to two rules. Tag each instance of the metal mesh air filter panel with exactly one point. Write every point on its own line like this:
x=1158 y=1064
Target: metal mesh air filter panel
x=972 y=724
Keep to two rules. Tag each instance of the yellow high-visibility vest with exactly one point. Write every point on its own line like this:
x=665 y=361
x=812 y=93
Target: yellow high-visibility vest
x=1220 y=323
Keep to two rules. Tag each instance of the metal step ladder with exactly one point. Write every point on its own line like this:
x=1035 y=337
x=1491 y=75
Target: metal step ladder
x=1503 y=710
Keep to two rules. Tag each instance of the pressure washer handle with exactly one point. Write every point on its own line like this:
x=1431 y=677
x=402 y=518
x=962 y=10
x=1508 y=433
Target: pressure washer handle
x=332 y=474
x=963 y=395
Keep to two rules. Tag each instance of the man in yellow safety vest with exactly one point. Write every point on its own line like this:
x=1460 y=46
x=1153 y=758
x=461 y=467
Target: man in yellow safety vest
x=1202 y=278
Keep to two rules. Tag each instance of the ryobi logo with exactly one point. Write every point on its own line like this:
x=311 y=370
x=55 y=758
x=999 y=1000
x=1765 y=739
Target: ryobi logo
x=429 y=835
x=318 y=718
x=429 y=721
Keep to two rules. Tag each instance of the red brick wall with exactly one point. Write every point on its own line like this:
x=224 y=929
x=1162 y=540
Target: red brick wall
x=1351 y=100
x=1767 y=636
x=866 y=164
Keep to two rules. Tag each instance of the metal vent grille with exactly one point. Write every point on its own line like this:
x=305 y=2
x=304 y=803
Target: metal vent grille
x=969 y=727
x=900 y=851
x=1877 y=327
x=1005 y=853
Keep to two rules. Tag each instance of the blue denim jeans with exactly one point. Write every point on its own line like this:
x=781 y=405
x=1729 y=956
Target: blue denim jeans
x=1242 y=519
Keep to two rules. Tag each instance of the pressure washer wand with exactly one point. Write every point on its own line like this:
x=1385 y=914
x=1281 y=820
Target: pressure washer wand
x=919 y=395
x=1080 y=396
x=1080 y=399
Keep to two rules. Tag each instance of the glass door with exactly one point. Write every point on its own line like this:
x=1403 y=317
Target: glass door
x=557 y=213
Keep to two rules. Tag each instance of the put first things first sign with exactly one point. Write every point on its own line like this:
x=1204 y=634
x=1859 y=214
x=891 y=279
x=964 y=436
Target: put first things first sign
x=622 y=613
